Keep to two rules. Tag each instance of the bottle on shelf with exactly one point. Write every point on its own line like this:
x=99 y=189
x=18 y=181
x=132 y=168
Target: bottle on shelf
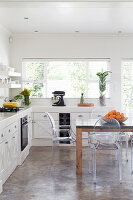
x=82 y=98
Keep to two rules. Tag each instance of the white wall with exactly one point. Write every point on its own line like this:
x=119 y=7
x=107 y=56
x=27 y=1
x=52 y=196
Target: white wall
x=76 y=46
x=4 y=57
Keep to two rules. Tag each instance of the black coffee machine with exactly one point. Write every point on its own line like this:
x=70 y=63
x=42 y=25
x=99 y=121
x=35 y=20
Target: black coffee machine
x=58 y=98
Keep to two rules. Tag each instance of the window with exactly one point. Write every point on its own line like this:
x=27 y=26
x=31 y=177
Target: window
x=127 y=84
x=72 y=76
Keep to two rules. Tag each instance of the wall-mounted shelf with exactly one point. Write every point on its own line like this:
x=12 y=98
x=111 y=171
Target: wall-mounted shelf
x=11 y=85
x=9 y=74
x=14 y=74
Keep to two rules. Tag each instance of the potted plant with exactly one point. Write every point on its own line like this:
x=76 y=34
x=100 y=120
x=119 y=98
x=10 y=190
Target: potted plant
x=102 y=85
x=26 y=94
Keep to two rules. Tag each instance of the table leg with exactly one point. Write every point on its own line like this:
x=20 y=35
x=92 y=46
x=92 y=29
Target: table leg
x=78 y=151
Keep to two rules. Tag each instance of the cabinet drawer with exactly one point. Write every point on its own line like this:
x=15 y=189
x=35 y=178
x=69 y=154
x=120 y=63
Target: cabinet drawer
x=42 y=129
x=75 y=116
x=11 y=129
x=43 y=116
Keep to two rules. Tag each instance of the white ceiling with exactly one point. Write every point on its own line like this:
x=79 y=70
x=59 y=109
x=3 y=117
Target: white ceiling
x=67 y=17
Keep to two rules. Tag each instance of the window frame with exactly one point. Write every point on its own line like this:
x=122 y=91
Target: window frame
x=58 y=59
x=122 y=96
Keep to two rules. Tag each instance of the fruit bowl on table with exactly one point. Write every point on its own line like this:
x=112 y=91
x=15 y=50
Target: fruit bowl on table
x=109 y=119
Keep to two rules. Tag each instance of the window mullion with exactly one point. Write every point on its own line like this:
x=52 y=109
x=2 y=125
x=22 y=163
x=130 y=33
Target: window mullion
x=87 y=78
x=45 y=79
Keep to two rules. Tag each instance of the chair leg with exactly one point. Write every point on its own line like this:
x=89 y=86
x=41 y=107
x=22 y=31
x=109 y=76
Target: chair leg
x=127 y=147
x=120 y=164
x=116 y=155
x=94 y=165
x=131 y=155
x=90 y=159
x=53 y=156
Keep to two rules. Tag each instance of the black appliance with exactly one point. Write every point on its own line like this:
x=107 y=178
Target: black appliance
x=58 y=98
x=24 y=132
x=64 y=123
x=3 y=109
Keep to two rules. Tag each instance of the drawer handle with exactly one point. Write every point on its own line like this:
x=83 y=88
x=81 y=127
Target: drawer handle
x=6 y=142
x=45 y=115
x=13 y=137
x=2 y=135
x=80 y=115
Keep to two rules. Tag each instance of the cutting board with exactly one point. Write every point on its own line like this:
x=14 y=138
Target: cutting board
x=86 y=105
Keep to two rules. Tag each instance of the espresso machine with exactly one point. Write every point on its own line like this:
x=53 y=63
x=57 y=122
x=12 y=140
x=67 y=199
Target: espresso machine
x=58 y=98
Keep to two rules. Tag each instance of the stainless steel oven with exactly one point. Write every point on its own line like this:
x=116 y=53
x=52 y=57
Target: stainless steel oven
x=24 y=132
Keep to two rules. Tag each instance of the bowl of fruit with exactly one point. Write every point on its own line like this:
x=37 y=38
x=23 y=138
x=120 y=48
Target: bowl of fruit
x=120 y=117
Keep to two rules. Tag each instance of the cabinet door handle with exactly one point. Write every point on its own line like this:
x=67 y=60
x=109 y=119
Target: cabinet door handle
x=15 y=126
x=6 y=142
x=13 y=137
x=45 y=116
x=9 y=130
x=2 y=135
x=80 y=115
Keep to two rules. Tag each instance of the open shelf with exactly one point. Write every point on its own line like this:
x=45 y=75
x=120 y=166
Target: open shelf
x=9 y=74
x=14 y=74
x=10 y=85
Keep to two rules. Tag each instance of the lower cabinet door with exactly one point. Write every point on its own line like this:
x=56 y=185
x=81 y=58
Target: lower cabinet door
x=41 y=129
x=14 y=147
x=7 y=153
x=30 y=133
x=2 y=151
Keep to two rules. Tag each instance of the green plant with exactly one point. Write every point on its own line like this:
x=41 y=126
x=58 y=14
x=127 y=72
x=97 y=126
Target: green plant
x=102 y=80
x=18 y=97
x=25 y=92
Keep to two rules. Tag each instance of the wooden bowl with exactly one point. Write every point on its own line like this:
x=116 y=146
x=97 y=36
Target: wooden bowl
x=107 y=119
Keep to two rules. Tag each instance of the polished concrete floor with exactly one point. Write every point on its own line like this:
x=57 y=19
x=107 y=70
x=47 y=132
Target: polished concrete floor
x=33 y=180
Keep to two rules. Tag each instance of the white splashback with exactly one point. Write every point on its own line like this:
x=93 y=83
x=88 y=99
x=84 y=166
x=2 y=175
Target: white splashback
x=68 y=101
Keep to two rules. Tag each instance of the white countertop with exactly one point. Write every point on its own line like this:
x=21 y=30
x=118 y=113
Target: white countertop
x=7 y=118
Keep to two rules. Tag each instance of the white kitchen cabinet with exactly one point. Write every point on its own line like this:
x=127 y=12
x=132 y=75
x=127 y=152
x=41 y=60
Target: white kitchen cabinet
x=41 y=129
x=41 y=125
x=76 y=116
x=7 y=153
x=2 y=154
x=43 y=116
x=30 y=133
x=14 y=147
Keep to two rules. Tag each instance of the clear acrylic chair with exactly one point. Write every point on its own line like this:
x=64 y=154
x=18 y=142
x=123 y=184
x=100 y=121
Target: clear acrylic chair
x=109 y=138
x=56 y=139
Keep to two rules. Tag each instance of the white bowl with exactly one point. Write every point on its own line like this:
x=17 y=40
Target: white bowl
x=108 y=119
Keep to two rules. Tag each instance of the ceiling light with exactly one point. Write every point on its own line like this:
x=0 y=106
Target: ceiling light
x=26 y=18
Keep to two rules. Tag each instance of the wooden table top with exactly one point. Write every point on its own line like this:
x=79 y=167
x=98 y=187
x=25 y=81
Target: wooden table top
x=89 y=124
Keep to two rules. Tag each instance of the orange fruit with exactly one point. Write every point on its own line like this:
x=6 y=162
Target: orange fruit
x=118 y=116
x=106 y=115
x=117 y=113
x=114 y=116
x=122 y=116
